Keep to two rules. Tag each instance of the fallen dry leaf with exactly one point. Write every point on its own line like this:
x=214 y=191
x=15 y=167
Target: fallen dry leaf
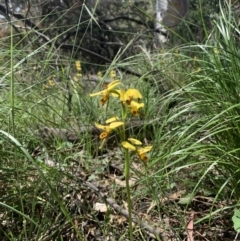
x=190 y=228
x=101 y=207
x=123 y=183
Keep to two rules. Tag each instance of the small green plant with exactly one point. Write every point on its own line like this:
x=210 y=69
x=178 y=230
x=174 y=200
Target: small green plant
x=236 y=220
x=118 y=124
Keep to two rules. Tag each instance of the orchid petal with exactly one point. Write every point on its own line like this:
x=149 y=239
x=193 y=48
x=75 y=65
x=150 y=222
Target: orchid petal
x=101 y=127
x=128 y=146
x=114 y=125
x=134 y=94
x=135 y=141
x=144 y=150
x=113 y=84
x=136 y=104
x=98 y=93
x=111 y=120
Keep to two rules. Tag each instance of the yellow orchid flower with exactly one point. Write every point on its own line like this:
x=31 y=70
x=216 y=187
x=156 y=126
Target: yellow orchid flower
x=51 y=82
x=106 y=131
x=106 y=92
x=112 y=74
x=78 y=65
x=112 y=124
x=127 y=96
x=141 y=152
x=133 y=94
x=99 y=74
x=108 y=128
x=134 y=107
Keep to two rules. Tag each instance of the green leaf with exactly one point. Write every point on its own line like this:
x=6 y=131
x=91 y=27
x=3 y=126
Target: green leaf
x=236 y=220
x=185 y=200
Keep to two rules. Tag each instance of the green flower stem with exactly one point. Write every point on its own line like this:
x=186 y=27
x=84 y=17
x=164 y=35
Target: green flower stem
x=124 y=113
x=127 y=173
x=129 y=201
x=124 y=117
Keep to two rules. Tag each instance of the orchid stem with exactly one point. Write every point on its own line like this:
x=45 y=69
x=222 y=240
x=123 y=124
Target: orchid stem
x=129 y=201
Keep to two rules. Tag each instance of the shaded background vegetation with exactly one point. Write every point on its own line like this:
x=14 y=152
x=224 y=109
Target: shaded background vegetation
x=96 y=30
